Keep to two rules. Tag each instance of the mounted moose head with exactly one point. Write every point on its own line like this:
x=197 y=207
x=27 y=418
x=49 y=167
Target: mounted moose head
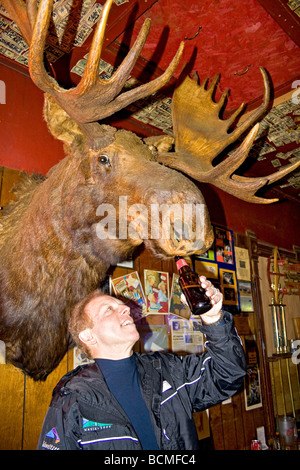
x=51 y=255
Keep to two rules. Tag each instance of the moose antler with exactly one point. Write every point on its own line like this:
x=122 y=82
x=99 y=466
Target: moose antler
x=92 y=99
x=200 y=136
x=23 y=14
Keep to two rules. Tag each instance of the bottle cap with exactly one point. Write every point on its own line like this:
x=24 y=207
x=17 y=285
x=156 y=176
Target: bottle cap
x=181 y=262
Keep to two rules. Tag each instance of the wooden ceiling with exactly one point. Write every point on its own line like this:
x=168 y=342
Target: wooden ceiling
x=221 y=36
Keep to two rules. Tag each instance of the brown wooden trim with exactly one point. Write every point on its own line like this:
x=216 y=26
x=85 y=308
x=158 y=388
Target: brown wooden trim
x=266 y=385
x=284 y=17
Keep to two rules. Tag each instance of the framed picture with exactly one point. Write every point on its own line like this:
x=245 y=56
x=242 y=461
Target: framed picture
x=156 y=291
x=176 y=306
x=229 y=287
x=245 y=293
x=186 y=336
x=242 y=262
x=206 y=268
x=224 y=245
x=208 y=255
x=252 y=390
x=129 y=287
x=80 y=358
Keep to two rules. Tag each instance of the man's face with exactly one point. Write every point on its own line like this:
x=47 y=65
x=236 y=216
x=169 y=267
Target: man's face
x=113 y=327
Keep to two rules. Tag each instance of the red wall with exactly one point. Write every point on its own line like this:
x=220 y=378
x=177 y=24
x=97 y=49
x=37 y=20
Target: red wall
x=25 y=141
x=27 y=145
x=277 y=223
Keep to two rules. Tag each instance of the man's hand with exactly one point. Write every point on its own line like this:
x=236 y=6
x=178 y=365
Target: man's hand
x=216 y=297
x=214 y=314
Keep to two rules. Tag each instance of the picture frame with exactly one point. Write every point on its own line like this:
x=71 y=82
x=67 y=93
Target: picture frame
x=156 y=291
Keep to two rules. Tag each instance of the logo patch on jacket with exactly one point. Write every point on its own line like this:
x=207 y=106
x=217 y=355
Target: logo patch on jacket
x=166 y=386
x=89 y=425
x=50 y=439
x=53 y=434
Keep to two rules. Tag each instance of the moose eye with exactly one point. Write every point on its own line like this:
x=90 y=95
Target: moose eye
x=104 y=160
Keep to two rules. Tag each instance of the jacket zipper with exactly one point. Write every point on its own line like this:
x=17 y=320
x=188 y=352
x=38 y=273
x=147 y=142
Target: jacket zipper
x=113 y=438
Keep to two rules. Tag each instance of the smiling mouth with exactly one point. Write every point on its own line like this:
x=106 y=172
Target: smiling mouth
x=127 y=322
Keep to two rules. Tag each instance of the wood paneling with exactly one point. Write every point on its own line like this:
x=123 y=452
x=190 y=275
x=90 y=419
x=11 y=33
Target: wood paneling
x=12 y=399
x=8 y=179
x=37 y=400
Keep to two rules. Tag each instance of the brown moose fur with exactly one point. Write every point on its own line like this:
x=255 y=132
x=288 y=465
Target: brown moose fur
x=50 y=254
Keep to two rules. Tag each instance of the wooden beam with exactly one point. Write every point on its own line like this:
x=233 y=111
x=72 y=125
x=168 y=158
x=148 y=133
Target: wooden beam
x=282 y=11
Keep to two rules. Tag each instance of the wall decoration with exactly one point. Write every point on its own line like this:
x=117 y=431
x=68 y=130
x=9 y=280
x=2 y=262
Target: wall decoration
x=130 y=287
x=252 y=389
x=79 y=358
x=229 y=287
x=176 y=306
x=209 y=254
x=156 y=291
x=207 y=269
x=223 y=245
x=242 y=261
x=186 y=336
x=245 y=294
x=129 y=264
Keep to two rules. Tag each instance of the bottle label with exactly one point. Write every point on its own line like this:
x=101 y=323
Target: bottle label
x=190 y=286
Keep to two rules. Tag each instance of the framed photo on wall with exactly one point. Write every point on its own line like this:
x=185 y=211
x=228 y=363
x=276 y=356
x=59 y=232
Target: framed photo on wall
x=229 y=287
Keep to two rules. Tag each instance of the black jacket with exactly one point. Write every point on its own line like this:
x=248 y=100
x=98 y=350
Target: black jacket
x=84 y=414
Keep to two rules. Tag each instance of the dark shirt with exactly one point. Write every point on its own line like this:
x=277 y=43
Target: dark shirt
x=122 y=379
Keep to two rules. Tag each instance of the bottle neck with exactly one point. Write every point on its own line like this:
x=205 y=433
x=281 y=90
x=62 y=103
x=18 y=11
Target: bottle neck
x=180 y=263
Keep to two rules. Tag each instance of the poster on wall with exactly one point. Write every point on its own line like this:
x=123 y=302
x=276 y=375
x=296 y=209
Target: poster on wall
x=223 y=245
x=229 y=287
x=242 y=261
x=176 y=306
x=156 y=291
x=253 y=397
x=246 y=299
x=208 y=255
x=186 y=336
x=130 y=287
x=206 y=268
x=79 y=358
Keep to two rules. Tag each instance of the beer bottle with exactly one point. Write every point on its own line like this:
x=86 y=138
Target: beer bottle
x=189 y=282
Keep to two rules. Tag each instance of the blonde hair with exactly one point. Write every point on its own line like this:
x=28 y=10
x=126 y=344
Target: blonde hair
x=80 y=320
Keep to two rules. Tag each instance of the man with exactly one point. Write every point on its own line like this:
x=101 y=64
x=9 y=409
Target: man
x=133 y=401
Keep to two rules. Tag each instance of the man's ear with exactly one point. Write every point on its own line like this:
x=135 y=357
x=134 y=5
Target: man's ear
x=87 y=337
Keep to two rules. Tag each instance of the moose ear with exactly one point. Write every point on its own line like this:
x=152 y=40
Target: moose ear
x=159 y=143
x=60 y=124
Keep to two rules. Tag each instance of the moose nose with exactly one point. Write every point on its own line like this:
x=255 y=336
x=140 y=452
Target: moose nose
x=179 y=221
